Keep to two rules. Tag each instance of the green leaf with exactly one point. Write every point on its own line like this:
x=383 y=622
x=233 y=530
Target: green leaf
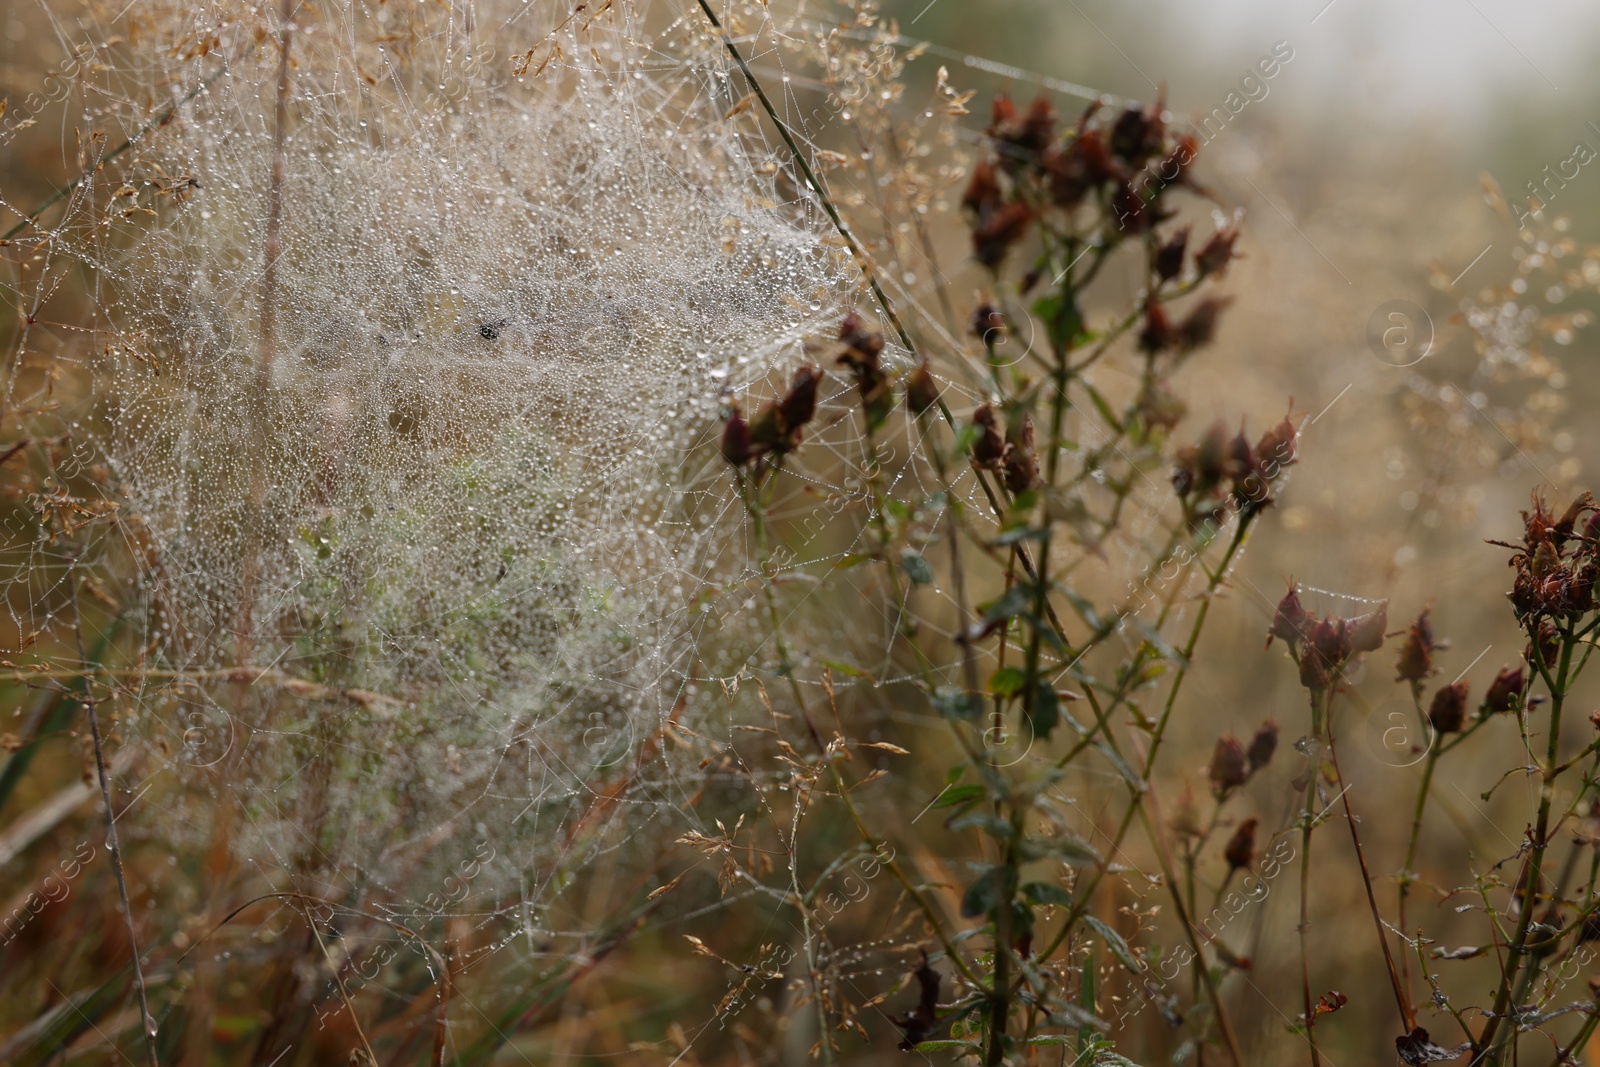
x=961 y=794
x=946 y=1046
x=986 y=894
x=1007 y=682
x=1047 y=893
x=1063 y=322
x=1045 y=711
x=953 y=775
x=1073 y=850
x=1014 y=602
x=838 y=667
x=916 y=566
x=954 y=703
x=996 y=828
x=1018 y=534
x=1119 y=948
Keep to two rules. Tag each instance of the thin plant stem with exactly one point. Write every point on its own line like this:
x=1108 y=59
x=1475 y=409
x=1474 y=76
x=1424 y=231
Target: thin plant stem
x=147 y=1022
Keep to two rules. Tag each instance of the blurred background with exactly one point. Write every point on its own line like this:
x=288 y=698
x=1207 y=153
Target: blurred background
x=1385 y=169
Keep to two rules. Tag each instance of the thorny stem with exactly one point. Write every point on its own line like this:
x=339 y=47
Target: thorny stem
x=147 y=1022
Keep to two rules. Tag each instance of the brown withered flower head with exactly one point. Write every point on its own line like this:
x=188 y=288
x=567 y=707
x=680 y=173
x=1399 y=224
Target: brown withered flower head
x=922 y=392
x=1367 y=631
x=1227 y=471
x=1546 y=645
x=1140 y=133
x=1291 y=622
x=990 y=446
x=1240 y=851
x=1416 y=654
x=861 y=356
x=1262 y=745
x=1325 y=651
x=988 y=325
x=1020 y=464
x=1199 y=327
x=736 y=447
x=1448 y=712
x=1229 y=767
x=1556 y=567
x=1215 y=255
x=1505 y=691
x=780 y=423
x=1169 y=256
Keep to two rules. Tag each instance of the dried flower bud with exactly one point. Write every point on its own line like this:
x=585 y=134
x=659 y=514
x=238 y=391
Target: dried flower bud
x=922 y=392
x=862 y=349
x=1241 y=461
x=1158 y=334
x=1020 y=463
x=990 y=446
x=1083 y=165
x=983 y=190
x=1548 y=644
x=1240 y=852
x=1448 y=712
x=862 y=345
x=1137 y=134
x=1276 y=449
x=1366 y=631
x=996 y=231
x=988 y=324
x=1327 y=648
x=1200 y=326
x=1201 y=467
x=1505 y=691
x=1176 y=166
x=1416 y=655
x=799 y=404
x=736 y=447
x=1262 y=745
x=779 y=424
x=1214 y=257
x=1229 y=766
x=1564 y=526
x=1291 y=621
x=1132 y=211
x=1169 y=257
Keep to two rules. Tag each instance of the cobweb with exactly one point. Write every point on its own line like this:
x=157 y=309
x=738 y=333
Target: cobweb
x=420 y=517
x=433 y=554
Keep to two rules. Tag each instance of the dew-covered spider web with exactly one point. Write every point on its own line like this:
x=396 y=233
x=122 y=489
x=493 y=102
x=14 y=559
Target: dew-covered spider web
x=380 y=469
